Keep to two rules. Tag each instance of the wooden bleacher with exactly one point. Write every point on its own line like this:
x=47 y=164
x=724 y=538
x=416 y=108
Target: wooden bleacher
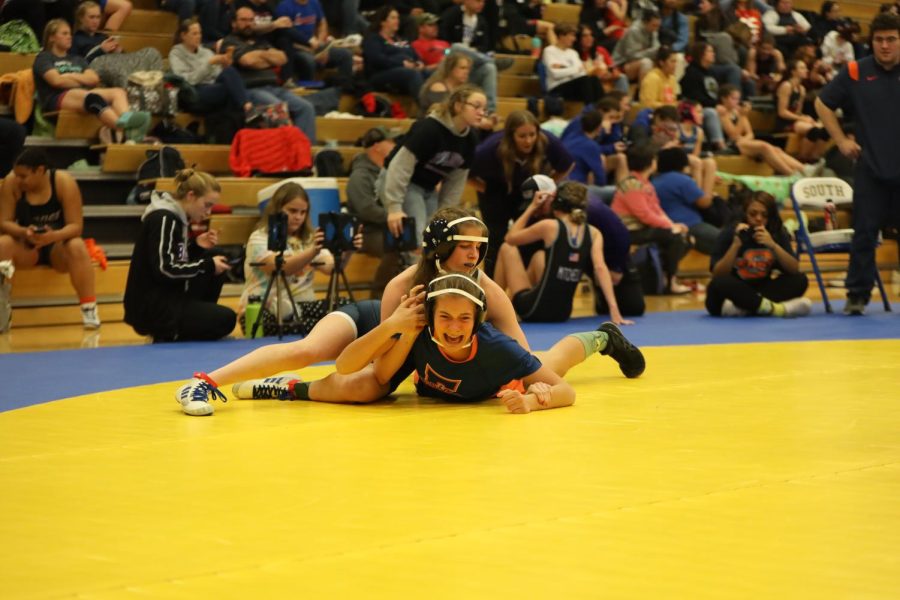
x=10 y=62
x=126 y=158
x=562 y=13
x=347 y=131
x=150 y=21
x=72 y=125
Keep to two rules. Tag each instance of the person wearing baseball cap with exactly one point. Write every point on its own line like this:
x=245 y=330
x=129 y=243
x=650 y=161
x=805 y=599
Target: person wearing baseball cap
x=429 y=48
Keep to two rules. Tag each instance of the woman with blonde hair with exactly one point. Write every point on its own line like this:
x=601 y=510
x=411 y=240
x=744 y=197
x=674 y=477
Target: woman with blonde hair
x=505 y=160
x=174 y=281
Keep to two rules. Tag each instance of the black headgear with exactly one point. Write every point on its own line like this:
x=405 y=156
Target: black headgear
x=480 y=301
x=441 y=238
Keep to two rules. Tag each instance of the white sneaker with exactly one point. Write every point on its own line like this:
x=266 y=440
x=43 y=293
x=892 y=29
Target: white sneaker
x=194 y=397
x=730 y=310
x=89 y=316
x=270 y=388
x=797 y=307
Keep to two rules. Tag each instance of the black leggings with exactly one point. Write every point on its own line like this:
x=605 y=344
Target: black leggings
x=202 y=318
x=585 y=89
x=749 y=295
x=629 y=295
x=672 y=247
x=496 y=212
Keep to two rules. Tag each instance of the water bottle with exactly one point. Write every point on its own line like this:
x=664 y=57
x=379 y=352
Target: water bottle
x=251 y=313
x=830 y=215
x=535 y=47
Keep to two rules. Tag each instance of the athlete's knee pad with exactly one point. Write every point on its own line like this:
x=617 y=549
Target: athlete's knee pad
x=95 y=104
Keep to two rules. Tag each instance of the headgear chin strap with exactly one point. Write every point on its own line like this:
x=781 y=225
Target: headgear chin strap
x=439 y=234
x=479 y=302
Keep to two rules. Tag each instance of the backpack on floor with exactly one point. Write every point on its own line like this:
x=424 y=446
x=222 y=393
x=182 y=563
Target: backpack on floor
x=160 y=163
x=649 y=266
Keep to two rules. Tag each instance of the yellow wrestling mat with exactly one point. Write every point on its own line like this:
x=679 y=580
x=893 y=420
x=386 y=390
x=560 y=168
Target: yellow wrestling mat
x=729 y=471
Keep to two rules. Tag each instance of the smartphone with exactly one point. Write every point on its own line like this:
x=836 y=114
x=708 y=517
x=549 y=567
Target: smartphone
x=40 y=229
x=236 y=261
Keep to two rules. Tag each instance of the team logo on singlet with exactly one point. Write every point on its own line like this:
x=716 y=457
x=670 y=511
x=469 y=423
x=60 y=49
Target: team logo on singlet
x=435 y=380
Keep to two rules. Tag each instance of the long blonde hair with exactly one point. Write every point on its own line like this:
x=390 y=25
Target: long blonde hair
x=445 y=67
x=51 y=28
x=285 y=194
x=82 y=9
x=191 y=180
x=506 y=150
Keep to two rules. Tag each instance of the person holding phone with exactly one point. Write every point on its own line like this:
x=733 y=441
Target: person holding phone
x=174 y=281
x=41 y=224
x=303 y=256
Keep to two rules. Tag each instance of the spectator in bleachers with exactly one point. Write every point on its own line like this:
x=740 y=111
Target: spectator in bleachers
x=743 y=261
x=635 y=51
x=665 y=132
x=428 y=46
x=588 y=165
x=673 y=28
x=598 y=61
x=659 y=87
x=682 y=199
x=215 y=80
x=312 y=49
x=391 y=64
x=65 y=82
x=616 y=254
x=104 y=53
x=790 y=118
x=256 y=60
x=747 y=13
x=830 y=18
x=451 y=73
x=209 y=13
x=701 y=85
x=769 y=65
x=787 y=25
x=543 y=290
x=606 y=18
x=438 y=151
x=41 y=223
x=503 y=162
x=115 y=12
x=510 y=18
x=838 y=46
x=565 y=72
x=274 y=30
x=467 y=31
x=174 y=281
x=362 y=201
x=638 y=206
x=736 y=125
x=36 y=13
x=712 y=27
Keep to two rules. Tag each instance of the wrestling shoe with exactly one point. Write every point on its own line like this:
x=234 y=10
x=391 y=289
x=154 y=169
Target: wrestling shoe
x=630 y=359
x=730 y=310
x=797 y=307
x=89 y=316
x=270 y=388
x=194 y=396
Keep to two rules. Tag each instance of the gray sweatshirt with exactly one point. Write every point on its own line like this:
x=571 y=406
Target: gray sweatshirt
x=637 y=43
x=361 y=198
x=194 y=67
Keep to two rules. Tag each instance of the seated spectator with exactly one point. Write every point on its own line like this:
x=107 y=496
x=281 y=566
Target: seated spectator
x=467 y=31
x=733 y=115
x=510 y=19
x=598 y=61
x=638 y=206
x=712 y=27
x=747 y=13
x=838 y=46
x=41 y=224
x=682 y=199
x=209 y=13
x=104 y=53
x=217 y=82
x=830 y=18
x=174 y=281
x=617 y=256
x=428 y=46
x=312 y=50
x=790 y=117
x=565 y=72
x=451 y=73
x=543 y=291
x=768 y=66
x=363 y=202
x=607 y=20
x=65 y=82
x=503 y=162
x=391 y=64
x=788 y=26
x=272 y=29
x=673 y=28
x=611 y=137
x=690 y=130
x=585 y=151
x=665 y=132
x=555 y=123
x=700 y=85
x=635 y=51
x=659 y=87
x=743 y=264
x=304 y=256
x=256 y=61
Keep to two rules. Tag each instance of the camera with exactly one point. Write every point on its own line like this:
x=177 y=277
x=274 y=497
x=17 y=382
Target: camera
x=746 y=237
x=406 y=241
x=339 y=230
x=278 y=232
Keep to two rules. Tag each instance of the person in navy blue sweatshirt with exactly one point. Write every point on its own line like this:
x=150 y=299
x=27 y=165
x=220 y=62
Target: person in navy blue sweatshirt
x=870 y=90
x=390 y=62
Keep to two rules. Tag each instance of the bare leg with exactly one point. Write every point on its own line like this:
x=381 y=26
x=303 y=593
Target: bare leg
x=116 y=13
x=565 y=354
x=327 y=339
x=116 y=97
x=72 y=256
x=353 y=388
x=708 y=183
x=618 y=164
x=74 y=100
x=791 y=162
x=695 y=164
x=536 y=267
x=513 y=270
x=758 y=149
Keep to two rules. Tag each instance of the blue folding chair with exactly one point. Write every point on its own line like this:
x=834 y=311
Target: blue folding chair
x=814 y=193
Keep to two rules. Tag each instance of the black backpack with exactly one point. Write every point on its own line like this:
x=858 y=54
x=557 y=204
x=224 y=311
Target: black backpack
x=221 y=126
x=160 y=163
x=329 y=163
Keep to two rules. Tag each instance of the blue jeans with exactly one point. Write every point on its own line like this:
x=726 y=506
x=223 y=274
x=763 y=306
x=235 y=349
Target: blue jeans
x=351 y=20
x=399 y=80
x=302 y=112
x=876 y=203
x=727 y=74
x=418 y=203
x=712 y=125
x=227 y=89
x=483 y=73
x=305 y=64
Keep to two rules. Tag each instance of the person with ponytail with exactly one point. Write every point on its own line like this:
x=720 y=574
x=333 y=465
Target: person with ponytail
x=543 y=291
x=174 y=281
x=64 y=82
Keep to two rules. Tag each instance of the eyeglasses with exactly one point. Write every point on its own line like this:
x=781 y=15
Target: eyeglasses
x=476 y=107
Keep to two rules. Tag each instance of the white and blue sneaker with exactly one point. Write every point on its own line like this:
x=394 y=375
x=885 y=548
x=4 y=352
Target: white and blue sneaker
x=270 y=388
x=194 y=397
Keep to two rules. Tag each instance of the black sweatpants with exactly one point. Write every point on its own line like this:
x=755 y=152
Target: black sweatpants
x=748 y=295
x=202 y=318
x=629 y=295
